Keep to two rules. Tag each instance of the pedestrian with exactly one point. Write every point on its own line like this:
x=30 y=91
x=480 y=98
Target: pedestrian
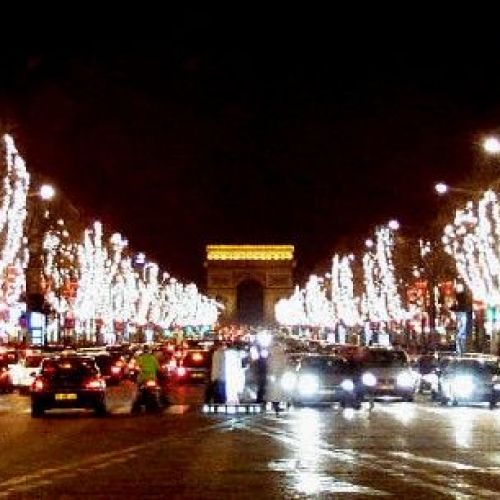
x=209 y=389
x=234 y=375
x=261 y=369
x=218 y=375
x=276 y=367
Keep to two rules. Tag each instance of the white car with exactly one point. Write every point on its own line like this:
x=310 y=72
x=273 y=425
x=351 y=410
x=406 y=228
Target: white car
x=24 y=372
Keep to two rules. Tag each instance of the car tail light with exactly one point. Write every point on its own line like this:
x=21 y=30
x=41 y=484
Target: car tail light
x=115 y=370
x=95 y=384
x=181 y=371
x=38 y=385
x=151 y=383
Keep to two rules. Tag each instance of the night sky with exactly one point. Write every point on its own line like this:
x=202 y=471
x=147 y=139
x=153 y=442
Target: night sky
x=253 y=132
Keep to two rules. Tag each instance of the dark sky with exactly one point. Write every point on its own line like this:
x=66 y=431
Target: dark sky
x=249 y=132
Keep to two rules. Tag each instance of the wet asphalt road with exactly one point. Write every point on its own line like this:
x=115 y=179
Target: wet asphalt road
x=402 y=450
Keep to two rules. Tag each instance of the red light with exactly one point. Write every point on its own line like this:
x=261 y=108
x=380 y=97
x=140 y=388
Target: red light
x=181 y=371
x=151 y=383
x=115 y=370
x=38 y=385
x=96 y=383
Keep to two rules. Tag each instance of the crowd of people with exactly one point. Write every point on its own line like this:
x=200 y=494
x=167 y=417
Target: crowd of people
x=240 y=375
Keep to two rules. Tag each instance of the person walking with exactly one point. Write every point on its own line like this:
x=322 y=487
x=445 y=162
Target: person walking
x=218 y=375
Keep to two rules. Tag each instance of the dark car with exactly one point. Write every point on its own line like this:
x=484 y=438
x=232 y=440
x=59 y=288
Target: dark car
x=387 y=373
x=470 y=380
x=112 y=367
x=326 y=379
x=68 y=382
x=194 y=366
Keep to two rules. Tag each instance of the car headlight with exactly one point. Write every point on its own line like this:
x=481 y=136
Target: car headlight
x=405 y=380
x=308 y=385
x=463 y=386
x=496 y=387
x=347 y=385
x=369 y=379
x=288 y=381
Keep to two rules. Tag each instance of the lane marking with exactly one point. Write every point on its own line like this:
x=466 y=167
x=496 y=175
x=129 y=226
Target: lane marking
x=28 y=482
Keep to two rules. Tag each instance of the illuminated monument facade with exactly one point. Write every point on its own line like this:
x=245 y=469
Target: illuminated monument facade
x=249 y=279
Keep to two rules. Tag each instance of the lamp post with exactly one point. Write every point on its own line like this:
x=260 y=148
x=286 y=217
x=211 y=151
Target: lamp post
x=38 y=215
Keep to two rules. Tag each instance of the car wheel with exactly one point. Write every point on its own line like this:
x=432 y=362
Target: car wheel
x=408 y=399
x=443 y=401
x=454 y=402
x=493 y=403
x=357 y=405
x=37 y=410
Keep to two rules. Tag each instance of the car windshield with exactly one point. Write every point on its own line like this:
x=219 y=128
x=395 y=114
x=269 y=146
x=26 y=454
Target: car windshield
x=33 y=361
x=479 y=367
x=381 y=358
x=69 y=367
x=324 y=364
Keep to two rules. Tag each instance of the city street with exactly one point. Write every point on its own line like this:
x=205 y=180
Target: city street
x=402 y=449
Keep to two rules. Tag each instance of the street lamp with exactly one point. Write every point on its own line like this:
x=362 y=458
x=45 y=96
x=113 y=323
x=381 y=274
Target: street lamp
x=491 y=145
x=47 y=192
x=393 y=224
x=441 y=188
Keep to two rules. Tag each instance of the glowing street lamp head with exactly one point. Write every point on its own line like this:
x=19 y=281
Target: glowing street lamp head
x=393 y=224
x=441 y=188
x=491 y=145
x=47 y=192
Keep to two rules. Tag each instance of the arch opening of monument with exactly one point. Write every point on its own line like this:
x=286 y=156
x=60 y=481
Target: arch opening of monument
x=250 y=303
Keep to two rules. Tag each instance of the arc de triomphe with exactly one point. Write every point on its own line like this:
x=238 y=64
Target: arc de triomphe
x=235 y=271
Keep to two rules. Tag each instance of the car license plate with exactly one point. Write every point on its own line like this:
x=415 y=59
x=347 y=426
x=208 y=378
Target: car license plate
x=198 y=375
x=386 y=387
x=64 y=397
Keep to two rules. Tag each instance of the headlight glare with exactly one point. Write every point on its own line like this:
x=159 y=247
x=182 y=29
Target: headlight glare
x=347 y=385
x=369 y=379
x=288 y=381
x=405 y=380
x=308 y=384
x=463 y=386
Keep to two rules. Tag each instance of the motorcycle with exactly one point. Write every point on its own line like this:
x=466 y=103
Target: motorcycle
x=150 y=395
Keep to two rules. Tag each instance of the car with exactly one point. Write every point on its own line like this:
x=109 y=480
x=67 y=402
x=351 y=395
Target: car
x=5 y=378
x=112 y=366
x=387 y=373
x=68 y=382
x=194 y=366
x=24 y=372
x=470 y=379
x=324 y=379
